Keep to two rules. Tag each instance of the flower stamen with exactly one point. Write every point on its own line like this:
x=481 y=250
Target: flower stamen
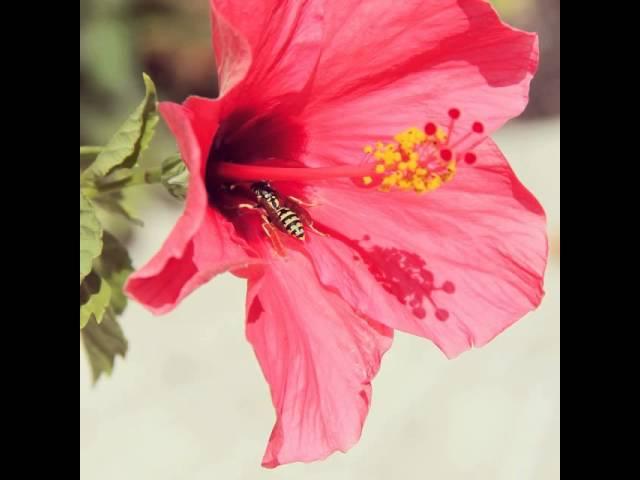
x=421 y=160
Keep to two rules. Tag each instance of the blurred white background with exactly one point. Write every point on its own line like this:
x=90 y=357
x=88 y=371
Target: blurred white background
x=190 y=402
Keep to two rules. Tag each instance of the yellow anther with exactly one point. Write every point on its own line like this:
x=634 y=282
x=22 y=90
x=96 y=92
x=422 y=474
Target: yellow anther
x=405 y=184
x=451 y=171
x=434 y=183
x=402 y=161
x=391 y=180
x=400 y=137
x=415 y=135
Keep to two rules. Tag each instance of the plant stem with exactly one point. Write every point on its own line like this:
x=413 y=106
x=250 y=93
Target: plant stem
x=134 y=178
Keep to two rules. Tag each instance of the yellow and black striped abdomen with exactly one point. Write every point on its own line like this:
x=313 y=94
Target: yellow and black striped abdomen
x=289 y=222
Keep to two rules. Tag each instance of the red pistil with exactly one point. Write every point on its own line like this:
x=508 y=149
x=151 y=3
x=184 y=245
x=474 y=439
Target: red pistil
x=235 y=172
x=407 y=162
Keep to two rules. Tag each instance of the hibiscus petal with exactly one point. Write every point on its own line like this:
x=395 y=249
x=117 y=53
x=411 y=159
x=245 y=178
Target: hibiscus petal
x=318 y=358
x=203 y=114
x=424 y=59
x=457 y=265
x=202 y=243
x=276 y=43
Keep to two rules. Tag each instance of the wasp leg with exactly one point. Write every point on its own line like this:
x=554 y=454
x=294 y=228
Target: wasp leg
x=270 y=231
x=242 y=206
x=247 y=206
x=315 y=230
x=272 y=234
x=304 y=216
x=251 y=207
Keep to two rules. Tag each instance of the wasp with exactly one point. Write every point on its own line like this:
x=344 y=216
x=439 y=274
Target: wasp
x=279 y=212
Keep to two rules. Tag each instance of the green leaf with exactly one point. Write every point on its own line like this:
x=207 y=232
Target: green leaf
x=95 y=296
x=90 y=236
x=87 y=156
x=116 y=203
x=114 y=266
x=101 y=300
x=102 y=343
x=131 y=139
x=172 y=166
x=175 y=176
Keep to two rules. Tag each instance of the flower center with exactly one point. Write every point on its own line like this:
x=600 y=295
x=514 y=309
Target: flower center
x=415 y=159
x=245 y=137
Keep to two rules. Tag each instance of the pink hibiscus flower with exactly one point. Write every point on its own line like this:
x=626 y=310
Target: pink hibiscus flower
x=376 y=116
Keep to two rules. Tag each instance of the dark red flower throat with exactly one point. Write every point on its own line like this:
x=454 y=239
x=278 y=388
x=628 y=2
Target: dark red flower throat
x=248 y=138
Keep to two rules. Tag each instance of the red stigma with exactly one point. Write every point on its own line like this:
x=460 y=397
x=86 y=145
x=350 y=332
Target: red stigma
x=477 y=127
x=470 y=158
x=445 y=154
x=430 y=128
x=454 y=113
